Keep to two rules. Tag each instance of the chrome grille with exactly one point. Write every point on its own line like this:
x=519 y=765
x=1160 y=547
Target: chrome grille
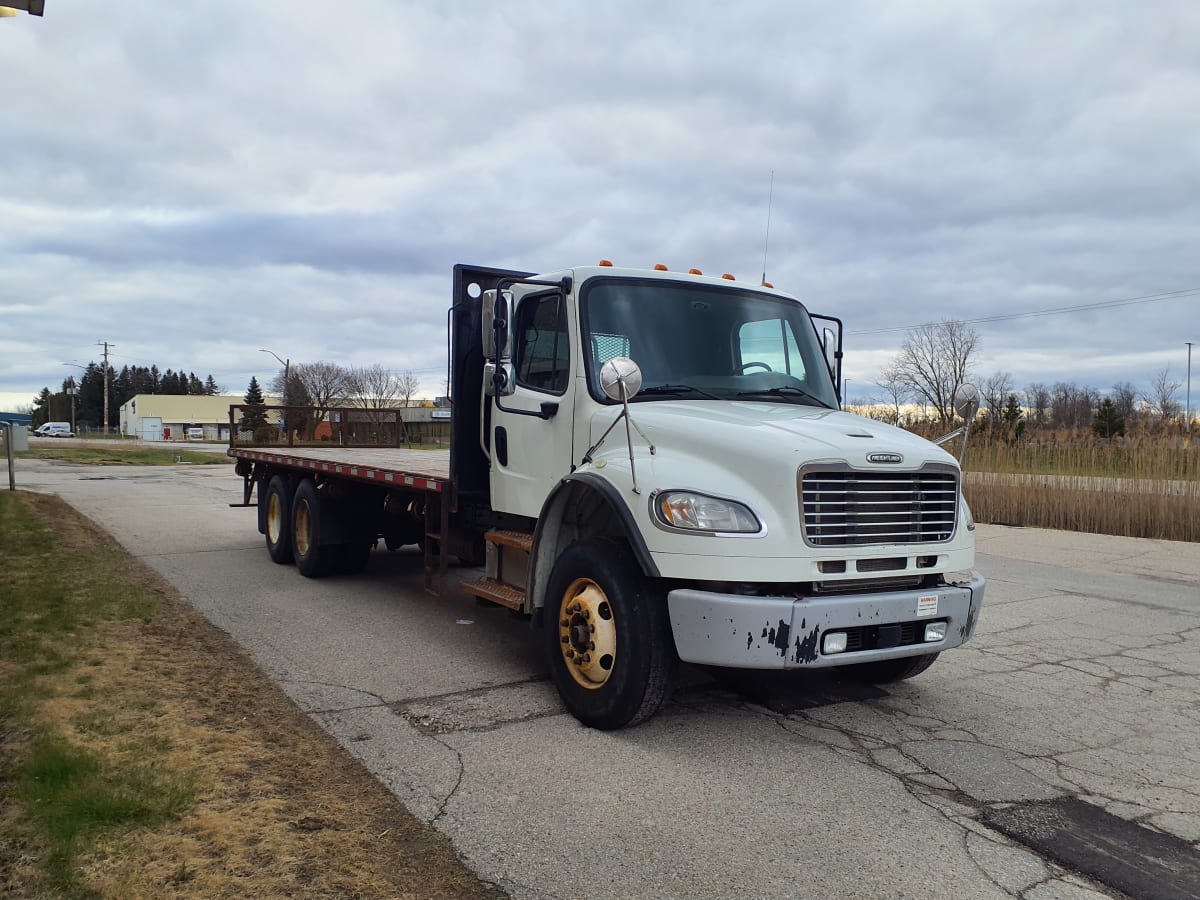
x=852 y=507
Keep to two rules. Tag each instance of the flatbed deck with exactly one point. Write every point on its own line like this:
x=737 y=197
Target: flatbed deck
x=423 y=470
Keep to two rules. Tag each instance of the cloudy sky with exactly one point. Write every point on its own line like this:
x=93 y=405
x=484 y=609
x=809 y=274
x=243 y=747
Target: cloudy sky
x=195 y=181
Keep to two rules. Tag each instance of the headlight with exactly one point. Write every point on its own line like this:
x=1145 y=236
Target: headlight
x=689 y=511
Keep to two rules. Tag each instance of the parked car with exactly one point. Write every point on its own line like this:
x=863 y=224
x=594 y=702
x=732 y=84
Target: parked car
x=55 y=429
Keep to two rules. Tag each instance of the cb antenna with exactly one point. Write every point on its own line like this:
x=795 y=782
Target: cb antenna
x=767 y=237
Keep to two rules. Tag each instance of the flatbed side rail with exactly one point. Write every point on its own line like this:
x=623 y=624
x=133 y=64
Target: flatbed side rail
x=253 y=425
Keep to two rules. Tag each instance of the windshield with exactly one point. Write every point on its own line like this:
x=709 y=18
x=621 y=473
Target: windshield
x=697 y=342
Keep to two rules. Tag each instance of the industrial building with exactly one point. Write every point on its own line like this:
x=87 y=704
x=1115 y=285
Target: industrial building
x=168 y=417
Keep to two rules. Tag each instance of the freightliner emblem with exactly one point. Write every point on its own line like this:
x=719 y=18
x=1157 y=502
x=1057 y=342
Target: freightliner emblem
x=885 y=458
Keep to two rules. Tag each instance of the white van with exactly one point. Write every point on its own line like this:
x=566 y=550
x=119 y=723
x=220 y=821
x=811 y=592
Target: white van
x=55 y=429
x=195 y=434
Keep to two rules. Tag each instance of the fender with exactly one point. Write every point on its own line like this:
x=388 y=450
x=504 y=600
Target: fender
x=552 y=534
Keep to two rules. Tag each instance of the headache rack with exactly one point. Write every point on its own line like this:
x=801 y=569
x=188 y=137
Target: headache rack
x=849 y=507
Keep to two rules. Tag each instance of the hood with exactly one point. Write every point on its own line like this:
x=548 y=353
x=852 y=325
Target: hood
x=764 y=431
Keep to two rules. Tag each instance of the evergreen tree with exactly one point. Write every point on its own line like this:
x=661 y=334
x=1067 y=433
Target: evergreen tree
x=1108 y=421
x=41 y=408
x=254 y=419
x=211 y=388
x=195 y=386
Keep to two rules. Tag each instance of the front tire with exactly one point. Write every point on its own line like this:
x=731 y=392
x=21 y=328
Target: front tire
x=313 y=558
x=277 y=520
x=888 y=671
x=607 y=636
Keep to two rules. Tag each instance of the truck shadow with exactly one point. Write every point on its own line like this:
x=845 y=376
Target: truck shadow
x=780 y=692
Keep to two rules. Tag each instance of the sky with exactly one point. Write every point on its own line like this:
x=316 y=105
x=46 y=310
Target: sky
x=195 y=182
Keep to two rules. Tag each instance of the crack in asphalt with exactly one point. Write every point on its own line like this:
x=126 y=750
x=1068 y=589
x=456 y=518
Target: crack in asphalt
x=934 y=790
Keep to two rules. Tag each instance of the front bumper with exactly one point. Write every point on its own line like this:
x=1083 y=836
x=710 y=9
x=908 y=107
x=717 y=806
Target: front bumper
x=743 y=632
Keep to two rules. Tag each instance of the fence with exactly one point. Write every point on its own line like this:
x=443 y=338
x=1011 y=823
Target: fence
x=340 y=426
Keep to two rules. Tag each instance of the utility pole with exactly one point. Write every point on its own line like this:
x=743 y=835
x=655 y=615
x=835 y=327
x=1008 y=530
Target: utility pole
x=1188 y=424
x=106 y=345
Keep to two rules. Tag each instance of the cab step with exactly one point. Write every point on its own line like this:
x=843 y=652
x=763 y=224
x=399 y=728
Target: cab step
x=496 y=592
x=517 y=540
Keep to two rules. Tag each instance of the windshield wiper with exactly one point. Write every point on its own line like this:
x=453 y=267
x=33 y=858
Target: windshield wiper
x=786 y=391
x=675 y=389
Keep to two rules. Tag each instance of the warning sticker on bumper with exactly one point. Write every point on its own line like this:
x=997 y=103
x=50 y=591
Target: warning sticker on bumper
x=927 y=605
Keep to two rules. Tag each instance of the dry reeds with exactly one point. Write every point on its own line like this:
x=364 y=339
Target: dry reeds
x=1145 y=485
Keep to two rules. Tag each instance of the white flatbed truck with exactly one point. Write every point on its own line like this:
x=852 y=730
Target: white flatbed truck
x=654 y=466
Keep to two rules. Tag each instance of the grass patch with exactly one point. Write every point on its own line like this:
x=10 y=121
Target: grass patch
x=73 y=794
x=120 y=456
x=143 y=755
x=56 y=595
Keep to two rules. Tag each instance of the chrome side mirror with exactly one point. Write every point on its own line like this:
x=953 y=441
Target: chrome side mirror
x=508 y=382
x=497 y=313
x=620 y=378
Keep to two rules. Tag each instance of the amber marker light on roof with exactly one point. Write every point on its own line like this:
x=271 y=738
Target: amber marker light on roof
x=606 y=262
x=768 y=284
x=659 y=267
x=695 y=272
x=728 y=277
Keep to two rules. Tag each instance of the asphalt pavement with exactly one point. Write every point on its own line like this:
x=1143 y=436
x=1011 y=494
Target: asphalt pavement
x=1055 y=756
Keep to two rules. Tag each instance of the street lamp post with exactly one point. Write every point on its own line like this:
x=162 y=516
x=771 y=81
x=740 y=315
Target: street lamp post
x=287 y=371
x=72 y=391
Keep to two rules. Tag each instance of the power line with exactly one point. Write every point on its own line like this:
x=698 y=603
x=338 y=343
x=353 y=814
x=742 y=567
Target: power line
x=1055 y=311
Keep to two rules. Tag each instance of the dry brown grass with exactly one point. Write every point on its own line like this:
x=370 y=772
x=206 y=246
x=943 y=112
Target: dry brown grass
x=1145 y=485
x=279 y=809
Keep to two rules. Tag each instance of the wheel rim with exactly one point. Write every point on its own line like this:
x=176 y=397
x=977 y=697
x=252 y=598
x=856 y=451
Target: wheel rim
x=274 y=518
x=587 y=633
x=302 y=528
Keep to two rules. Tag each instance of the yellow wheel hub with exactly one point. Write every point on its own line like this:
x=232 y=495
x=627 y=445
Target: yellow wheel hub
x=301 y=537
x=587 y=633
x=275 y=518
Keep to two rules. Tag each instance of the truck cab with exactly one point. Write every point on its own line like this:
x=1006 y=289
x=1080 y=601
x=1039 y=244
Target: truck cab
x=673 y=446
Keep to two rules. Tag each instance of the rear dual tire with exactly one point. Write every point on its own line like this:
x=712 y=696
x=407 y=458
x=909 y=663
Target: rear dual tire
x=293 y=523
x=277 y=519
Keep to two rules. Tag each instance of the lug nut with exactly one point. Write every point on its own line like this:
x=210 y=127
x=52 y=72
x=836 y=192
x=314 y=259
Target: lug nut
x=567 y=640
x=591 y=645
x=570 y=654
x=565 y=623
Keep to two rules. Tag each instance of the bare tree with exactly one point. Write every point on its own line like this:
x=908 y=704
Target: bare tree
x=1161 y=396
x=891 y=379
x=935 y=359
x=1072 y=406
x=320 y=385
x=373 y=387
x=407 y=385
x=1037 y=399
x=1124 y=398
x=324 y=382
x=996 y=390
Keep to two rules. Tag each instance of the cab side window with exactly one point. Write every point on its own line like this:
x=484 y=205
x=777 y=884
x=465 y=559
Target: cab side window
x=541 y=356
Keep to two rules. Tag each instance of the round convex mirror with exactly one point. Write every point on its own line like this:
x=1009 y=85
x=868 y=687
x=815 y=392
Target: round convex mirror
x=618 y=370
x=966 y=401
